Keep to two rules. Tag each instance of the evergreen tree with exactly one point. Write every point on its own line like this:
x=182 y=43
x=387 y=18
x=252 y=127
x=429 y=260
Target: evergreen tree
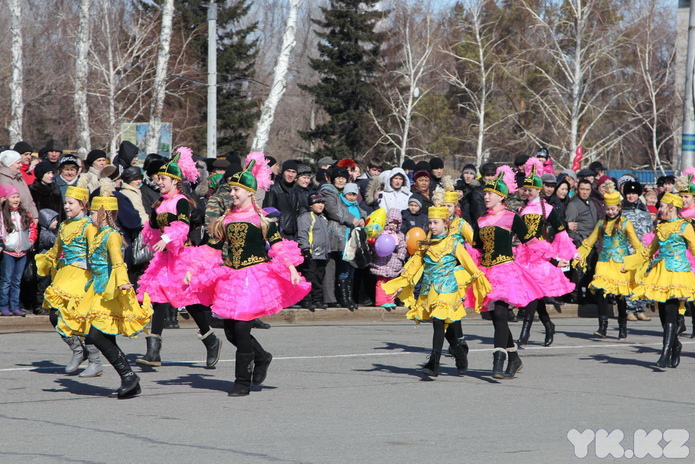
x=349 y=51
x=237 y=111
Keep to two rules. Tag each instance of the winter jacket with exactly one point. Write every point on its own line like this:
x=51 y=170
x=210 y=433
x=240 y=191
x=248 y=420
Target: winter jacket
x=128 y=219
x=20 y=239
x=585 y=215
x=282 y=197
x=47 y=236
x=302 y=194
x=473 y=203
x=312 y=235
x=411 y=220
x=150 y=194
x=92 y=178
x=339 y=218
x=133 y=194
x=7 y=177
x=391 y=198
x=390 y=266
x=47 y=196
x=640 y=218
x=27 y=175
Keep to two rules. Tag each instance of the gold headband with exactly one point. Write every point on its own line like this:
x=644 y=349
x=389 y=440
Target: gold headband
x=78 y=193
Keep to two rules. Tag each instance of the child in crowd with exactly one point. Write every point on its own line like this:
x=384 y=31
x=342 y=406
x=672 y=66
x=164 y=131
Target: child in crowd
x=312 y=235
x=387 y=267
x=413 y=216
x=18 y=233
x=48 y=234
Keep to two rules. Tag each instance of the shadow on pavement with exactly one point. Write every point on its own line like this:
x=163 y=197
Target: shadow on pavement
x=79 y=388
x=48 y=367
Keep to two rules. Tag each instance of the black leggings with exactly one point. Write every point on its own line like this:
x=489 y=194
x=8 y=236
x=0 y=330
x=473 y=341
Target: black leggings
x=539 y=307
x=668 y=312
x=104 y=343
x=439 y=334
x=197 y=312
x=503 y=336
x=603 y=305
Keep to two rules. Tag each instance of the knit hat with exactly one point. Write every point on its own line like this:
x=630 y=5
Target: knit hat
x=408 y=165
x=271 y=161
x=289 y=164
x=549 y=179
x=10 y=190
x=2 y=191
x=520 y=160
x=632 y=187
x=542 y=153
x=95 y=155
x=415 y=200
x=652 y=209
x=421 y=172
x=347 y=163
x=570 y=173
x=351 y=188
x=303 y=170
x=53 y=145
x=488 y=169
x=9 y=157
x=603 y=179
x=131 y=173
x=316 y=198
x=22 y=147
x=436 y=163
x=469 y=168
x=221 y=163
x=394 y=215
x=68 y=159
x=338 y=172
x=41 y=169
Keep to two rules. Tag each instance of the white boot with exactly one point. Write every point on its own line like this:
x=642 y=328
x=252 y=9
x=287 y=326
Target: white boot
x=94 y=368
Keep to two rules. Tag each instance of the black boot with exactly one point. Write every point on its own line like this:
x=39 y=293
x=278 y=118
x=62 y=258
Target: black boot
x=602 y=327
x=514 y=363
x=344 y=295
x=622 y=328
x=498 y=357
x=349 y=299
x=676 y=353
x=667 y=348
x=681 y=324
x=130 y=382
x=259 y=324
x=431 y=369
x=460 y=353
x=213 y=346
x=242 y=371
x=549 y=333
x=151 y=358
x=525 y=332
x=260 y=367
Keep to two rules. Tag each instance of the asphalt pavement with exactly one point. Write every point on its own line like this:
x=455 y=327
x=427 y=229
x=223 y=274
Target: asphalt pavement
x=341 y=392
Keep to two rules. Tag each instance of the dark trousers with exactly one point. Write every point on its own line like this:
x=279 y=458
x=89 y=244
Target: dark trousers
x=314 y=271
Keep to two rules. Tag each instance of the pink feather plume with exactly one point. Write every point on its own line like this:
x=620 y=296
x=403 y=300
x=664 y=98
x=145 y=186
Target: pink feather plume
x=260 y=170
x=533 y=161
x=508 y=177
x=187 y=165
x=689 y=171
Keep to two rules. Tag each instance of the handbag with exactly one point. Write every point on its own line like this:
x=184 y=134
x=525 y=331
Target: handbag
x=141 y=252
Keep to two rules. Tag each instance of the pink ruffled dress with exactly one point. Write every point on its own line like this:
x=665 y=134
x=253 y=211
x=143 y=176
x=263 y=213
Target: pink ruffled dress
x=510 y=281
x=689 y=214
x=163 y=279
x=251 y=282
x=550 y=277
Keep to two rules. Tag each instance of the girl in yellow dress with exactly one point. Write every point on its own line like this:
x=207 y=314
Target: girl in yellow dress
x=110 y=306
x=614 y=231
x=670 y=281
x=67 y=263
x=447 y=271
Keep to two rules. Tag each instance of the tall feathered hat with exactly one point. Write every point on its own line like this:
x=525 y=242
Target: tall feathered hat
x=105 y=199
x=181 y=166
x=533 y=169
x=612 y=196
x=684 y=183
x=255 y=175
x=504 y=184
x=447 y=194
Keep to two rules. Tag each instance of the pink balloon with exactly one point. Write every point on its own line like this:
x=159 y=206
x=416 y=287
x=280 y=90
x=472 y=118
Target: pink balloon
x=384 y=245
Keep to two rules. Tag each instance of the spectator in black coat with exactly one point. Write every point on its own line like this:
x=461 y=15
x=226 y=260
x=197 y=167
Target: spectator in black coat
x=282 y=197
x=126 y=157
x=44 y=190
x=303 y=187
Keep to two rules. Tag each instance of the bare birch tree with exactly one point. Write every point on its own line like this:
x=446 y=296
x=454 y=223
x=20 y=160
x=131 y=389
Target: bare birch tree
x=17 y=82
x=475 y=75
x=159 y=87
x=279 y=80
x=403 y=92
x=81 y=73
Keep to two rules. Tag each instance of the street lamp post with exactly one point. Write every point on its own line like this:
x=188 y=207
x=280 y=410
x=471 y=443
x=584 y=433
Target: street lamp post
x=688 y=141
x=212 y=80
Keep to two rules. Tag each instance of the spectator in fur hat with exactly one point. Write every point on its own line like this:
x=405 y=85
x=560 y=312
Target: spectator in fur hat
x=421 y=189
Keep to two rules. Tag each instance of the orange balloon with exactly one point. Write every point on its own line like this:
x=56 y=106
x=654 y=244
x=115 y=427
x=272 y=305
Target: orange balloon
x=413 y=239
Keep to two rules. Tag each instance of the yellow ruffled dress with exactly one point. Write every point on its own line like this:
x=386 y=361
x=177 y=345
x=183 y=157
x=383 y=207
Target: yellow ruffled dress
x=609 y=275
x=106 y=307
x=671 y=275
x=66 y=262
x=447 y=272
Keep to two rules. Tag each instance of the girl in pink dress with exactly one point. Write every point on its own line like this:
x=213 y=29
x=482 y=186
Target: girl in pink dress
x=166 y=233
x=251 y=281
x=686 y=190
